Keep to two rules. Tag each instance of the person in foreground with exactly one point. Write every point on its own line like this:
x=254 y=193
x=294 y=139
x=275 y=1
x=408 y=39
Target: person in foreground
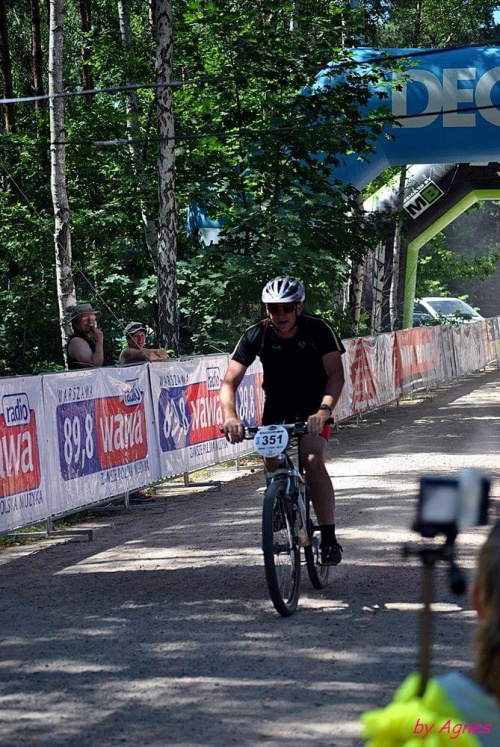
x=454 y=706
x=303 y=380
x=85 y=345
x=135 y=352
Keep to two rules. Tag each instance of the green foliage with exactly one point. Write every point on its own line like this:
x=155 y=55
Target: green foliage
x=438 y=265
x=283 y=212
x=245 y=138
x=224 y=296
x=427 y=23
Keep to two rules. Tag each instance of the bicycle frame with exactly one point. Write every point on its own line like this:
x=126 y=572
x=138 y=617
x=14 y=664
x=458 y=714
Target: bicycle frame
x=287 y=522
x=293 y=479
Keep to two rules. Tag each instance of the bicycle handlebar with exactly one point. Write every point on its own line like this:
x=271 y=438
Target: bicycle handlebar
x=294 y=429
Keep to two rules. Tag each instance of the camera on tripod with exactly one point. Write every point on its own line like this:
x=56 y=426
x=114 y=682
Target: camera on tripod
x=448 y=504
x=445 y=506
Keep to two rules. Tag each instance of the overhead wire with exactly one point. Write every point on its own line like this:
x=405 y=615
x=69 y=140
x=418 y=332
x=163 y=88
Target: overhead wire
x=379 y=59
x=340 y=123
x=44 y=224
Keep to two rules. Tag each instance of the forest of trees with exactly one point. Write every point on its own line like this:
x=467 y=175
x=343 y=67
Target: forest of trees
x=166 y=103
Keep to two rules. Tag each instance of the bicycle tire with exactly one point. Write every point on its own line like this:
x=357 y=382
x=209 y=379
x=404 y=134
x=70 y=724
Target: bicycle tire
x=318 y=574
x=281 y=549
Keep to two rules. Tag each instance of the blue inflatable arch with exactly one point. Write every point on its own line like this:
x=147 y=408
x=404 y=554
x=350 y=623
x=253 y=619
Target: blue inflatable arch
x=447 y=113
x=447 y=117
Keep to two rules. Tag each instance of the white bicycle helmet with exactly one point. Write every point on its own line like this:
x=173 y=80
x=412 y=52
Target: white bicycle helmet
x=283 y=290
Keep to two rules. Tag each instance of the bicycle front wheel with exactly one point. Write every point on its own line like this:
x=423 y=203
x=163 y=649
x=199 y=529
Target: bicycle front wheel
x=318 y=573
x=281 y=549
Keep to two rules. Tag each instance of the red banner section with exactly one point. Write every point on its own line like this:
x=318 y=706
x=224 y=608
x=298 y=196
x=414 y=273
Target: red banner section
x=361 y=380
x=23 y=498
x=121 y=431
x=19 y=460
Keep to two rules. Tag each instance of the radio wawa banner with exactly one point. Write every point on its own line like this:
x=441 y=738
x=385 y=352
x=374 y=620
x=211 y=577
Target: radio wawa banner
x=186 y=396
x=100 y=427
x=23 y=494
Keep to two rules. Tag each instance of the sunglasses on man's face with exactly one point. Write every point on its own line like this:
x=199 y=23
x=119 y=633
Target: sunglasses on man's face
x=286 y=308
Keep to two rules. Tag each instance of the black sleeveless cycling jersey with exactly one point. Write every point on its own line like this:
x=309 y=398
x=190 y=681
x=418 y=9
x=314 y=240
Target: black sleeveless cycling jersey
x=294 y=376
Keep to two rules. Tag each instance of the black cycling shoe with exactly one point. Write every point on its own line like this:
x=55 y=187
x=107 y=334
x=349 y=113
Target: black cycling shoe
x=331 y=554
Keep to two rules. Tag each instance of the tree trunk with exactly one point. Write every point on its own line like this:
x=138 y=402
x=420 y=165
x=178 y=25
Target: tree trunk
x=167 y=224
x=64 y=278
x=357 y=282
x=418 y=23
x=86 y=16
x=6 y=68
x=395 y=311
x=134 y=134
x=36 y=52
x=357 y=278
x=378 y=288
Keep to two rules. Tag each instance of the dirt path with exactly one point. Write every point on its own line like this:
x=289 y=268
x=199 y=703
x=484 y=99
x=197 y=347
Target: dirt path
x=160 y=631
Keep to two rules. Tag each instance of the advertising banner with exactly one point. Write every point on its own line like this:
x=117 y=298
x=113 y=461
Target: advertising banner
x=472 y=350
x=23 y=493
x=250 y=395
x=360 y=384
x=419 y=357
x=250 y=402
x=448 y=355
x=342 y=409
x=484 y=342
x=384 y=365
x=186 y=397
x=99 y=423
x=111 y=430
x=188 y=417
x=494 y=337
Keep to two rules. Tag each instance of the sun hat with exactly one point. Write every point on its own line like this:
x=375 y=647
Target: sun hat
x=134 y=327
x=82 y=308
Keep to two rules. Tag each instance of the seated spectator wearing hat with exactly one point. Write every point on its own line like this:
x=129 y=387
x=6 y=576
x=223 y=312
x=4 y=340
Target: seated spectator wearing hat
x=135 y=352
x=85 y=346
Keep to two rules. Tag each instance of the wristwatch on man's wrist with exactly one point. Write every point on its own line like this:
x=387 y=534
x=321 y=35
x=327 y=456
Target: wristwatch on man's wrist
x=324 y=406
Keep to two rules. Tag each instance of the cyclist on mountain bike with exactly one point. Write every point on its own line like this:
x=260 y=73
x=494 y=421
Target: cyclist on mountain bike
x=303 y=379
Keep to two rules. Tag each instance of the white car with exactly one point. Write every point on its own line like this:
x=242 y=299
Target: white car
x=434 y=308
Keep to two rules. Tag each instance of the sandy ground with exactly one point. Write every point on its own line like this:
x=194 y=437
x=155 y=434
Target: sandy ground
x=160 y=631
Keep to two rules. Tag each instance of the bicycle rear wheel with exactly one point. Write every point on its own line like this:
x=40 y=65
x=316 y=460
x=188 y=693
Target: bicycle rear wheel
x=281 y=549
x=317 y=573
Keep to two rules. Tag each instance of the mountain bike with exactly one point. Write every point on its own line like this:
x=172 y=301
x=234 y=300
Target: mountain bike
x=288 y=519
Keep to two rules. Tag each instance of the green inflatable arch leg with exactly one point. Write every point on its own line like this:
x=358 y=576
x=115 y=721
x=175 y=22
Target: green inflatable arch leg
x=413 y=247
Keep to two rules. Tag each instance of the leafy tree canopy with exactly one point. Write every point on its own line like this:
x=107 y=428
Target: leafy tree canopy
x=247 y=139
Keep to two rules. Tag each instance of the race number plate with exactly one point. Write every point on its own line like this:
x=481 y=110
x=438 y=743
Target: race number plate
x=271 y=440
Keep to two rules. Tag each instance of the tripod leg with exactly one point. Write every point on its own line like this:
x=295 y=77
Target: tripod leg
x=425 y=627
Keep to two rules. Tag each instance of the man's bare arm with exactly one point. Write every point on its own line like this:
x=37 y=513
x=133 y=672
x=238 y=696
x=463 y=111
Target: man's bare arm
x=133 y=355
x=140 y=355
x=335 y=372
x=333 y=389
x=81 y=351
x=233 y=427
